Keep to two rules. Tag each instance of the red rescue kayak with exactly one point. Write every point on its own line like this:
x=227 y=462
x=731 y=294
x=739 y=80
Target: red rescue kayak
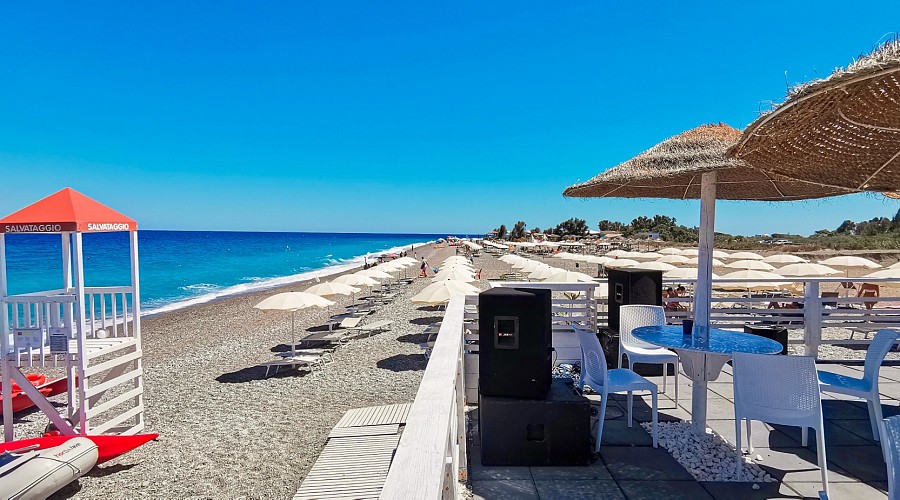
x=21 y=401
x=109 y=446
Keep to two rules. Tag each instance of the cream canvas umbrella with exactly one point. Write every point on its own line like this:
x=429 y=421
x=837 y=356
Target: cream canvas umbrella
x=895 y=265
x=684 y=273
x=440 y=292
x=750 y=275
x=455 y=258
x=850 y=261
x=673 y=259
x=693 y=261
x=669 y=251
x=806 y=269
x=544 y=272
x=622 y=263
x=745 y=256
x=531 y=266
x=689 y=252
x=292 y=302
x=563 y=276
x=330 y=289
x=598 y=259
x=719 y=254
x=617 y=253
x=454 y=274
x=783 y=258
x=757 y=265
x=375 y=273
x=645 y=255
x=355 y=280
x=654 y=266
x=886 y=273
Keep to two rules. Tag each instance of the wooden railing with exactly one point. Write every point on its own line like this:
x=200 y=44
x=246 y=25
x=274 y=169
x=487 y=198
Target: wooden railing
x=431 y=459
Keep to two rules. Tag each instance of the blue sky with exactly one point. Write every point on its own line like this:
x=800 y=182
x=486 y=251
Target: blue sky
x=397 y=116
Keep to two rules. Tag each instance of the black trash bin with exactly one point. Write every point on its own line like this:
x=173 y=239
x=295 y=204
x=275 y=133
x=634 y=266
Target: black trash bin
x=777 y=333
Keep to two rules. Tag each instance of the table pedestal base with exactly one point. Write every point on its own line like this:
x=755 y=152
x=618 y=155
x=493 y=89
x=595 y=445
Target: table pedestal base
x=701 y=368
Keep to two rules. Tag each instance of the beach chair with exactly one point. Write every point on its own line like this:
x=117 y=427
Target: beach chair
x=309 y=361
x=375 y=327
x=891 y=446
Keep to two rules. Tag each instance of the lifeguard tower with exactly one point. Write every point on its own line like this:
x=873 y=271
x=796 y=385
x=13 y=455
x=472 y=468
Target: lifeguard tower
x=94 y=332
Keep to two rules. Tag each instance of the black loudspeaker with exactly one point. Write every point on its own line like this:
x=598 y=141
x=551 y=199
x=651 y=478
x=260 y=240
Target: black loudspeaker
x=552 y=431
x=777 y=333
x=632 y=286
x=514 y=342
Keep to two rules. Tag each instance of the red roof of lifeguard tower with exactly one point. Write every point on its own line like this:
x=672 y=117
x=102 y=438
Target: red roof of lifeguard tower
x=66 y=210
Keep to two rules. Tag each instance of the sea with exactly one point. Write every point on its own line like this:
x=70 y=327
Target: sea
x=182 y=268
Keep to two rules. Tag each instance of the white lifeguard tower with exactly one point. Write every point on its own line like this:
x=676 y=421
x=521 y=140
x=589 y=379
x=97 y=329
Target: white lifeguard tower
x=94 y=332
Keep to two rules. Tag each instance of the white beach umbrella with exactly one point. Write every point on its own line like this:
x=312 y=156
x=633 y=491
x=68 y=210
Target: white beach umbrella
x=455 y=258
x=522 y=262
x=407 y=260
x=654 y=266
x=850 y=261
x=669 y=251
x=622 y=263
x=719 y=254
x=330 y=289
x=806 y=269
x=689 y=252
x=598 y=259
x=440 y=292
x=562 y=276
x=617 y=253
x=376 y=273
x=684 y=273
x=744 y=256
x=644 y=255
x=750 y=275
x=750 y=264
x=886 y=273
x=292 y=302
x=895 y=265
x=355 y=280
x=673 y=259
x=543 y=272
x=783 y=258
x=695 y=261
x=454 y=274
x=509 y=258
x=531 y=266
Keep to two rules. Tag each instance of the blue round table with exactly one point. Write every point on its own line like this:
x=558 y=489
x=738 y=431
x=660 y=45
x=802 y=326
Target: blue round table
x=703 y=354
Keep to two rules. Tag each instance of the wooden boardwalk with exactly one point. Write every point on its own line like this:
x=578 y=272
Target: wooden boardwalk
x=358 y=455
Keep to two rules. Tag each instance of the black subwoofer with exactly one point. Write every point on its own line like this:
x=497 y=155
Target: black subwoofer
x=632 y=286
x=551 y=431
x=514 y=342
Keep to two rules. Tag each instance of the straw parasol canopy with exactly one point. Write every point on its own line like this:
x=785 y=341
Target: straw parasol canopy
x=841 y=131
x=672 y=169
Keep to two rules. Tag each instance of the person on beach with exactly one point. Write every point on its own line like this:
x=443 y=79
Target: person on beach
x=424 y=268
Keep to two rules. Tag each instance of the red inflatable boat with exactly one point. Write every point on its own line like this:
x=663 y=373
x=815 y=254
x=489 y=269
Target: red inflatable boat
x=108 y=446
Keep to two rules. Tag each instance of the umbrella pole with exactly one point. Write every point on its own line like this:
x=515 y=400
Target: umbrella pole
x=293 y=342
x=702 y=298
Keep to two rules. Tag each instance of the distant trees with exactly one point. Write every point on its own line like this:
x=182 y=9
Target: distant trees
x=501 y=232
x=667 y=227
x=572 y=227
x=518 y=231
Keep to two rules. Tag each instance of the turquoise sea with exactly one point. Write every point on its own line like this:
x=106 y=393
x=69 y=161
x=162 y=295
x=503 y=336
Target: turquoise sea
x=180 y=268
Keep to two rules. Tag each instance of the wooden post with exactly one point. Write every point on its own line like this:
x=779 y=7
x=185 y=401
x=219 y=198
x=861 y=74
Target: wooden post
x=703 y=291
x=4 y=347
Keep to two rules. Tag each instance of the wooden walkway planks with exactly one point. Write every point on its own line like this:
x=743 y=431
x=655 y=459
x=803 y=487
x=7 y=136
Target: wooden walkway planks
x=358 y=455
x=375 y=415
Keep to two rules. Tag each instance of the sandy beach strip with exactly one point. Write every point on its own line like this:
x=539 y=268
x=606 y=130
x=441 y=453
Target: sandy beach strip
x=227 y=432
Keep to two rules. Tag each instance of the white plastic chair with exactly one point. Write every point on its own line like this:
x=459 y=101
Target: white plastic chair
x=891 y=446
x=595 y=374
x=780 y=390
x=634 y=316
x=866 y=387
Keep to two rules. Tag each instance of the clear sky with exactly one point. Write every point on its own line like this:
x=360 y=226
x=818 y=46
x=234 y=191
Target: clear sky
x=398 y=116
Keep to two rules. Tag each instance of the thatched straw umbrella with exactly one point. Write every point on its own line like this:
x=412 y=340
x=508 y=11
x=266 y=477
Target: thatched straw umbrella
x=689 y=166
x=841 y=131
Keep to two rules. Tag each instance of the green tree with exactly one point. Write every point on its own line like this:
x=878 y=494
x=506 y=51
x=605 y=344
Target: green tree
x=572 y=227
x=501 y=231
x=518 y=231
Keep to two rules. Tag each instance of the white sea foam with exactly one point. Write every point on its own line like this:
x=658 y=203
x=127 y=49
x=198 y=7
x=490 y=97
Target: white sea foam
x=255 y=284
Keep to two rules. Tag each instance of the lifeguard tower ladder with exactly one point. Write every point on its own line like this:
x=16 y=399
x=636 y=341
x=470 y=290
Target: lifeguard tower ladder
x=94 y=332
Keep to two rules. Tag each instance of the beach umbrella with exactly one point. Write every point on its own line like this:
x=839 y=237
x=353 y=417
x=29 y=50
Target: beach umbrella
x=440 y=292
x=617 y=253
x=689 y=252
x=654 y=266
x=644 y=256
x=509 y=258
x=563 y=276
x=544 y=272
x=806 y=269
x=745 y=256
x=850 y=261
x=454 y=274
x=685 y=273
x=693 y=261
x=751 y=275
x=355 y=280
x=892 y=273
x=622 y=263
x=330 y=289
x=375 y=273
x=750 y=264
x=719 y=254
x=598 y=259
x=292 y=302
x=694 y=165
x=895 y=265
x=455 y=258
x=669 y=251
x=673 y=259
x=531 y=266
x=783 y=258
x=565 y=255
x=839 y=131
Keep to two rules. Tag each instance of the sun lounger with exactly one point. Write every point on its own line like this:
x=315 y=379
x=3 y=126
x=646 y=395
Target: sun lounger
x=326 y=353
x=375 y=327
x=309 y=361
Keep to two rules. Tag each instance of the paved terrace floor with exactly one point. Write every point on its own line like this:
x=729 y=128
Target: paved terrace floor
x=629 y=467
